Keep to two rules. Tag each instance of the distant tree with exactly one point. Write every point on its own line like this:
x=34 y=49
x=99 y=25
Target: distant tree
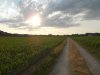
x=2 y=33
x=50 y=34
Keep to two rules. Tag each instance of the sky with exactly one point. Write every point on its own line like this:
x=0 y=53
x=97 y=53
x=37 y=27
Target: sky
x=50 y=16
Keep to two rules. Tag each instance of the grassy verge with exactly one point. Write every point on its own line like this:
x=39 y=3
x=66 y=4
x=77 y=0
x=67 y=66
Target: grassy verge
x=45 y=67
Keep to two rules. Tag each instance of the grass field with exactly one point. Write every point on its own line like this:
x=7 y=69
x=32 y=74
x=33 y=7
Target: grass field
x=91 y=43
x=17 y=53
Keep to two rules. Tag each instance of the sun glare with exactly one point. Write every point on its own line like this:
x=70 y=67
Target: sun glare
x=35 y=21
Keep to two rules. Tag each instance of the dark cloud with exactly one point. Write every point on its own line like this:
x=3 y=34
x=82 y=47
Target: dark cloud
x=60 y=21
x=14 y=23
x=72 y=7
x=28 y=8
x=68 y=9
x=76 y=6
x=10 y=21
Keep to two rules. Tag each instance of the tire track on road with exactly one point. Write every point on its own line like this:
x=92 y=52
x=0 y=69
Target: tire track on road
x=63 y=64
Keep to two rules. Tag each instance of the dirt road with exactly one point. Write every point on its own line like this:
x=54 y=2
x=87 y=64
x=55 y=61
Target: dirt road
x=63 y=66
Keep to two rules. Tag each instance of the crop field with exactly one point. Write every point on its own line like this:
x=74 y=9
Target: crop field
x=18 y=53
x=91 y=43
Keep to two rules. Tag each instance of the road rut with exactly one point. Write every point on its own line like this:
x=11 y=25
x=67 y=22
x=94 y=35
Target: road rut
x=92 y=63
x=63 y=64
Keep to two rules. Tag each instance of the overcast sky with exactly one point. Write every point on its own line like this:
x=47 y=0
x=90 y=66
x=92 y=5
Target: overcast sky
x=57 y=16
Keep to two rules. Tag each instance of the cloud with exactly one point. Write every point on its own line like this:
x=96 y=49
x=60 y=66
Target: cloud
x=54 y=13
x=59 y=20
x=74 y=7
x=89 y=8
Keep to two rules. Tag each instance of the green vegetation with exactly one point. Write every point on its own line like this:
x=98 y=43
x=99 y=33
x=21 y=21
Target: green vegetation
x=91 y=43
x=17 y=53
x=45 y=67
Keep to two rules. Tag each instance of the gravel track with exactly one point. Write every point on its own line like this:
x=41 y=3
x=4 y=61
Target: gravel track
x=63 y=64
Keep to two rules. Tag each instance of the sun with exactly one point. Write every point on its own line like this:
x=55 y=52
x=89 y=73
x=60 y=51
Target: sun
x=35 y=21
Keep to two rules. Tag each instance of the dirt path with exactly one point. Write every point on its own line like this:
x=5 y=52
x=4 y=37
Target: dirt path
x=92 y=63
x=63 y=64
